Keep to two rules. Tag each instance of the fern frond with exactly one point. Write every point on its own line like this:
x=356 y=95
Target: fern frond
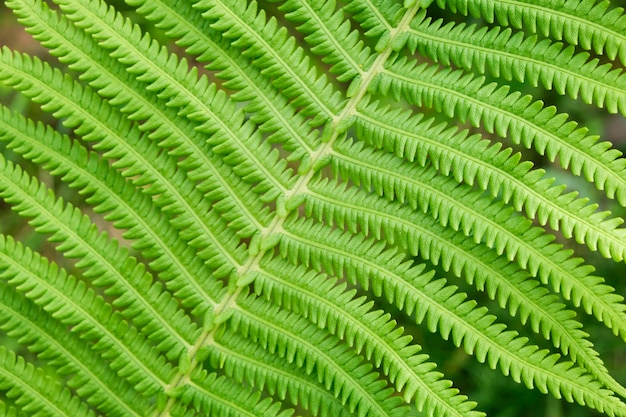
x=352 y=319
x=337 y=367
x=50 y=341
x=261 y=370
x=33 y=392
x=471 y=159
x=295 y=197
x=73 y=304
x=509 y=115
x=391 y=276
x=377 y=18
x=174 y=133
x=133 y=155
x=102 y=260
x=512 y=56
x=422 y=236
x=484 y=221
x=210 y=395
x=274 y=54
x=328 y=34
x=106 y=190
x=588 y=23
x=202 y=103
x=268 y=109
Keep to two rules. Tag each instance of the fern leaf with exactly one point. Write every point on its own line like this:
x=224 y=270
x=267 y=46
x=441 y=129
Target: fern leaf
x=329 y=35
x=132 y=154
x=271 y=50
x=420 y=235
x=376 y=18
x=511 y=56
x=33 y=392
x=587 y=23
x=91 y=379
x=296 y=186
x=260 y=369
x=389 y=275
x=523 y=121
x=477 y=161
x=493 y=224
x=123 y=277
x=210 y=395
x=106 y=190
x=197 y=101
x=72 y=304
x=269 y=110
x=339 y=369
x=351 y=319
x=112 y=82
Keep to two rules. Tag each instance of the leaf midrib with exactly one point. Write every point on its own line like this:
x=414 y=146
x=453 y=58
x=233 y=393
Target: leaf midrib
x=229 y=300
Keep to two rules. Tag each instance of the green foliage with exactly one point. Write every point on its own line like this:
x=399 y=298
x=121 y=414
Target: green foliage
x=264 y=208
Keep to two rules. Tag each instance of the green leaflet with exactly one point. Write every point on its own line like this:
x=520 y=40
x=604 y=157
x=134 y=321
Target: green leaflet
x=591 y=24
x=90 y=376
x=247 y=208
x=510 y=55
